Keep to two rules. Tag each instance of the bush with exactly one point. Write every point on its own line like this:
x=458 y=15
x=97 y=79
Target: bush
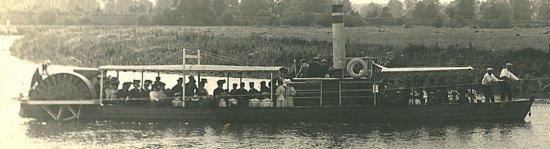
x=455 y=23
x=353 y=20
x=228 y=19
x=85 y=20
x=324 y=20
x=144 y=20
x=298 y=19
x=438 y=21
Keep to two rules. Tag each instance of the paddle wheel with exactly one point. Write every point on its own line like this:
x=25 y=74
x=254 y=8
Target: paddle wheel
x=58 y=93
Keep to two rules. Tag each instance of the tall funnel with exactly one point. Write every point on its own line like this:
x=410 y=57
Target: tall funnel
x=338 y=38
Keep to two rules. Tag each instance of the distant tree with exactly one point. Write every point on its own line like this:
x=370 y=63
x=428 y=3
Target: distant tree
x=140 y=6
x=499 y=10
x=426 y=9
x=195 y=12
x=385 y=13
x=396 y=8
x=544 y=11
x=218 y=7
x=164 y=13
x=461 y=9
x=253 y=7
x=521 y=9
x=409 y=7
x=370 y=10
x=496 y=10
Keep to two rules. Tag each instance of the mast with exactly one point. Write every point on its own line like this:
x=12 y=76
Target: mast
x=338 y=38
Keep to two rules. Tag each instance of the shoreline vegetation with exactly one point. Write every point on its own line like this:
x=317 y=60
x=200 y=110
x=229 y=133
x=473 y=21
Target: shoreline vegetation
x=92 y=46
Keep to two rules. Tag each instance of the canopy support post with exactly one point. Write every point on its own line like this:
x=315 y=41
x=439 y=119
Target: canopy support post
x=227 y=75
x=321 y=97
x=271 y=87
x=199 y=57
x=340 y=93
x=142 y=83
x=101 y=87
x=183 y=73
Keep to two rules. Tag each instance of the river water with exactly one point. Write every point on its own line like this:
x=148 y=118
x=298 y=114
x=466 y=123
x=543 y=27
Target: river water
x=20 y=132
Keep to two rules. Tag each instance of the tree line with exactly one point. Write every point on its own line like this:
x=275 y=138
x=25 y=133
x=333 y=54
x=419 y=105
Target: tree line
x=458 y=10
x=277 y=12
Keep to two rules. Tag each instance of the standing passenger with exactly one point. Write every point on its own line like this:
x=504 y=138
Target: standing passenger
x=290 y=91
x=304 y=69
x=280 y=94
x=487 y=84
x=40 y=72
x=324 y=67
x=507 y=76
x=315 y=68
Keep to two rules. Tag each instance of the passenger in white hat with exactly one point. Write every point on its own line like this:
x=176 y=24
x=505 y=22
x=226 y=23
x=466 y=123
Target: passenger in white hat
x=487 y=83
x=507 y=76
x=41 y=71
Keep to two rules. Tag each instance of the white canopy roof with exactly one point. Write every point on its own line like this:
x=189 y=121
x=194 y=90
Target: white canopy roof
x=425 y=69
x=195 y=68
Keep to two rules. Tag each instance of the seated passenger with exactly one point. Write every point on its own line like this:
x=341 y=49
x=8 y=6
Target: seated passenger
x=243 y=96
x=234 y=92
x=124 y=93
x=218 y=93
x=264 y=88
x=463 y=96
x=232 y=102
x=178 y=88
x=136 y=92
x=253 y=92
x=190 y=87
x=157 y=81
x=177 y=102
x=266 y=102
x=156 y=96
x=110 y=93
x=202 y=94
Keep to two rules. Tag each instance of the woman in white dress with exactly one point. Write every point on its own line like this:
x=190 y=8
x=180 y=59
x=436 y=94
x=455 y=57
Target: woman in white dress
x=290 y=92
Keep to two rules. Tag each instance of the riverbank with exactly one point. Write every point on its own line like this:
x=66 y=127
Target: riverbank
x=92 y=46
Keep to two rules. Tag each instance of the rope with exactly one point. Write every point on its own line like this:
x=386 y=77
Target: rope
x=164 y=58
x=224 y=57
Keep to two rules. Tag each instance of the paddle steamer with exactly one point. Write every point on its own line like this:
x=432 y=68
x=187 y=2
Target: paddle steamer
x=359 y=90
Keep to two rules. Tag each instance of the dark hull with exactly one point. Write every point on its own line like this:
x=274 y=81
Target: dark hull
x=505 y=111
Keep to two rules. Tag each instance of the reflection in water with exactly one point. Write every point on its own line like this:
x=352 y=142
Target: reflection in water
x=275 y=135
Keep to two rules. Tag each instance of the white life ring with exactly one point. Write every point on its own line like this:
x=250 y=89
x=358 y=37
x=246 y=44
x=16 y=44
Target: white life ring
x=352 y=63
